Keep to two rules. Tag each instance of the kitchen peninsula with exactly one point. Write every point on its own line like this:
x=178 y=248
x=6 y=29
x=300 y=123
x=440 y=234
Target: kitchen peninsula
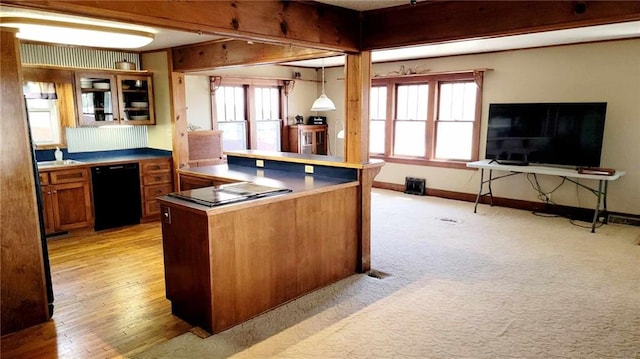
x=226 y=264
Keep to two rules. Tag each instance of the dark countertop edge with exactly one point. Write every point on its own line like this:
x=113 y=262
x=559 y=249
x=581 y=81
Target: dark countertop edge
x=244 y=174
x=201 y=209
x=330 y=161
x=103 y=161
x=48 y=154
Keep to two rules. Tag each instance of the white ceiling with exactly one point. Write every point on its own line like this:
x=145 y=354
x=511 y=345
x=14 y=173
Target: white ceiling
x=570 y=36
x=165 y=38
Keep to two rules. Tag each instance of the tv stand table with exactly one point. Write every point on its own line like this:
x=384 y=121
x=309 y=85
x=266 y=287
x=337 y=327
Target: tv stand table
x=568 y=174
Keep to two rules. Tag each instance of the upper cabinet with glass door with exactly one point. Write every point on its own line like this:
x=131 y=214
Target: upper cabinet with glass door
x=136 y=99
x=97 y=99
x=114 y=99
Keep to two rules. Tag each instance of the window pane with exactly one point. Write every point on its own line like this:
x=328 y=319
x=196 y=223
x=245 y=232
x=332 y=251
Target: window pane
x=43 y=121
x=376 y=136
x=234 y=135
x=267 y=111
x=412 y=102
x=409 y=138
x=268 y=135
x=457 y=101
x=378 y=115
x=453 y=140
x=267 y=103
x=378 y=103
x=230 y=103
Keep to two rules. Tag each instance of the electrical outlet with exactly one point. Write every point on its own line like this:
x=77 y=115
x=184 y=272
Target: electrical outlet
x=259 y=163
x=308 y=169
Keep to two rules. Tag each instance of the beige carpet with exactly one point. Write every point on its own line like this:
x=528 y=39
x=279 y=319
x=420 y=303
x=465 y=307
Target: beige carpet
x=501 y=283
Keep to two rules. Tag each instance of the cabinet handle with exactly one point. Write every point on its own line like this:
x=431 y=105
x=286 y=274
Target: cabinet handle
x=55 y=191
x=158 y=178
x=49 y=192
x=158 y=191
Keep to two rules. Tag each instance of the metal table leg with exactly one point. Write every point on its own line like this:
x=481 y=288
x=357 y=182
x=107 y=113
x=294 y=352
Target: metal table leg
x=475 y=208
x=490 y=189
x=599 y=196
x=604 y=198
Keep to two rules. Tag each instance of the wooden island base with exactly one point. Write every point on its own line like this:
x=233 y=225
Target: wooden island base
x=227 y=264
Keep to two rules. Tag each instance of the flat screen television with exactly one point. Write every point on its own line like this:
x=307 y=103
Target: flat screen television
x=563 y=134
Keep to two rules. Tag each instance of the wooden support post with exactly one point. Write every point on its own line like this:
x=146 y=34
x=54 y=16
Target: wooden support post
x=358 y=85
x=179 y=122
x=23 y=297
x=367 y=174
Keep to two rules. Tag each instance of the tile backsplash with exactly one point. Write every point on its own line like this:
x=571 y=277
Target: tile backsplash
x=92 y=139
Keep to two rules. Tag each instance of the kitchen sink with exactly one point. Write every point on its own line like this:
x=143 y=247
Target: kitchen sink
x=47 y=164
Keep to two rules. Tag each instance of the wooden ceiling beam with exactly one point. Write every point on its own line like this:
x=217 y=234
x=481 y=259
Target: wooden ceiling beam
x=298 y=23
x=216 y=55
x=442 y=21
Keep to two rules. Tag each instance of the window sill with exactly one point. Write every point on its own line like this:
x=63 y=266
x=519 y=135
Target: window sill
x=423 y=162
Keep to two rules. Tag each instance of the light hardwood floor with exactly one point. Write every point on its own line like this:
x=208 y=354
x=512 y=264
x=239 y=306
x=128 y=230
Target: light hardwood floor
x=109 y=298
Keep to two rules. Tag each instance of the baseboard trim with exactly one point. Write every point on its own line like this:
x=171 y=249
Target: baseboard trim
x=583 y=214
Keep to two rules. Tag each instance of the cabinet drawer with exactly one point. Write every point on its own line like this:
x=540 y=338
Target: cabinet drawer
x=151 y=192
x=44 y=179
x=69 y=176
x=156 y=166
x=151 y=208
x=157 y=178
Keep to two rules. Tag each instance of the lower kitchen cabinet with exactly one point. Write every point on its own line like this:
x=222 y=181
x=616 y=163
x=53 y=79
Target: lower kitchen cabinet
x=66 y=198
x=156 y=179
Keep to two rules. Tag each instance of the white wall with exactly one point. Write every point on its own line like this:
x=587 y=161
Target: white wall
x=607 y=71
x=334 y=89
x=161 y=134
x=198 y=97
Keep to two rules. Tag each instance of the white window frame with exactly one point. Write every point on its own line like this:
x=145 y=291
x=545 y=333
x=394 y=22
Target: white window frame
x=35 y=106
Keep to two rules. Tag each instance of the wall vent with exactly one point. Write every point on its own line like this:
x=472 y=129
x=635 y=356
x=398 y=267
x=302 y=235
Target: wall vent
x=415 y=186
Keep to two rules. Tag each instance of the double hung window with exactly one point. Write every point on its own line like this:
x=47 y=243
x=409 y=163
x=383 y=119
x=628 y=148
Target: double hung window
x=250 y=115
x=426 y=120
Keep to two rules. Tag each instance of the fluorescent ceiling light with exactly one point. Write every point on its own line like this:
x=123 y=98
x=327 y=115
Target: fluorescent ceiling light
x=59 y=32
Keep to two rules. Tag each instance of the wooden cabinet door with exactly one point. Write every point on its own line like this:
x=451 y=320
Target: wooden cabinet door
x=71 y=205
x=97 y=100
x=47 y=210
x=320 y=141
x=136 y=99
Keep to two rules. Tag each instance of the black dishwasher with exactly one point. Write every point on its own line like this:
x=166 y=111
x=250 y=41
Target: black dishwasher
x=116 y=195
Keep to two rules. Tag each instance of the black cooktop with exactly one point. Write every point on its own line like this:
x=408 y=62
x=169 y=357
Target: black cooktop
x=228 y=193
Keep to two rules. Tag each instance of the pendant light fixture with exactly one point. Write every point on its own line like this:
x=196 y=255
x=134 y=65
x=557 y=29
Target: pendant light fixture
x=323 y=103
